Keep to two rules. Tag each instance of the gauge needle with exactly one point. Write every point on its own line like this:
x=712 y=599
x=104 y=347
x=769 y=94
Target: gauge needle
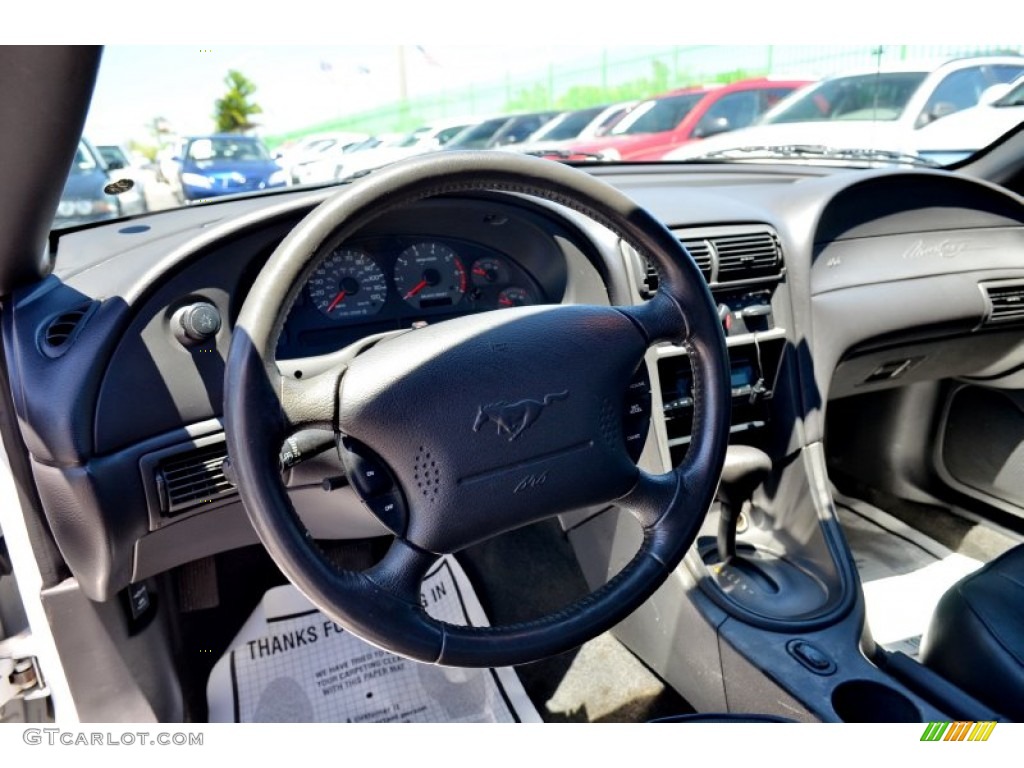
x=337 y=300
x=416 y=289
x=481 y=272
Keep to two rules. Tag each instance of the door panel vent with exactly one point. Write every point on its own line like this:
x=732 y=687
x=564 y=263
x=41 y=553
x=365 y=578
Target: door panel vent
x=191 y=478
x=60 y=332
x=1004 y=300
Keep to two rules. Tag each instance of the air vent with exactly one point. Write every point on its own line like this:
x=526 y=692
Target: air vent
x=61 y=331
x=193 y=477
x=1005 y=301
x=742 y=257
x=701 y=253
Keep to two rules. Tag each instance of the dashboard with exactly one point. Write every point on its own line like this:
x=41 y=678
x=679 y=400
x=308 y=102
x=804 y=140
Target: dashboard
x=822 y=277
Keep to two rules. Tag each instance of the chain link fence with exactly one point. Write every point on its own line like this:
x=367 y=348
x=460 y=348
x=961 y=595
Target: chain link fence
x=622 y=74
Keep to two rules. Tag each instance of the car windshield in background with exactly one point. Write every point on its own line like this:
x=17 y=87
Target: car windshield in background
x=656 y=116
x=1014 y=98
x=860 y=97
x=211 y=150
x=188 y=126
x=567 y=126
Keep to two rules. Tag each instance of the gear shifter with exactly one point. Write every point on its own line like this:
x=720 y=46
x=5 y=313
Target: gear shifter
x=763 y=580
x=745 y=469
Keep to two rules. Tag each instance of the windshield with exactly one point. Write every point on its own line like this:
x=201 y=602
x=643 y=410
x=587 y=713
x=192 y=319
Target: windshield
x=189 y=119
x=1013 y=98
x=84 y=162
x=214 y=149
x=414 y=138
x=657 y=116
x=567 y=126
x=860 y=97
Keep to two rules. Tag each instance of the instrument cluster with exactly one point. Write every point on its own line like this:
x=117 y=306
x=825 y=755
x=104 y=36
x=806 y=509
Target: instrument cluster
x=370 y=285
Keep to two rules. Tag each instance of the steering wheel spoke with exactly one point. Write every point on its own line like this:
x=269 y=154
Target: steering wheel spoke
x=659 y=319
x=652 y=496
x=402 y=570
x=310 y=402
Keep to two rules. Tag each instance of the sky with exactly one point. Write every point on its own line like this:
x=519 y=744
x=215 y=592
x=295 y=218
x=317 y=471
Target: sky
x=297 y=85
x=328 y=57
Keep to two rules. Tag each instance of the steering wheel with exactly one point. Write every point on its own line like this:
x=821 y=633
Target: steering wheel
x=460 y=431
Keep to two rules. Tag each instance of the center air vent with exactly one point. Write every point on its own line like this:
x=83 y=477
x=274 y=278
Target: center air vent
x=193 y=477
x=742 y=257
x=700 y=250
x=1005 y=301
x=725 y=255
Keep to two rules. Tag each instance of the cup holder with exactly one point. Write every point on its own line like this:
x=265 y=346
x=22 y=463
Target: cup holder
x=865 y=701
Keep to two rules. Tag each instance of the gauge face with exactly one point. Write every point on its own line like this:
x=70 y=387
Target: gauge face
x=348 y=284
x=489 y=271
x=430 y=275
x=514 y=296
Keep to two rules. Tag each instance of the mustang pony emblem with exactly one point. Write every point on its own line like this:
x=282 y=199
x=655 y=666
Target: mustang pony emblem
x=513 y=418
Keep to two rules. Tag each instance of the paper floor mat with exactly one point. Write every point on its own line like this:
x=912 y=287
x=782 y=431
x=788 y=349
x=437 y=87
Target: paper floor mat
x=290 y=663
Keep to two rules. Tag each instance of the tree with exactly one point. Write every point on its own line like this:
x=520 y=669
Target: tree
x=234 y=110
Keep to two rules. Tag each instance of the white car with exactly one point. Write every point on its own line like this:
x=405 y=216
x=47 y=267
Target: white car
x=121 y=165
x=426 y=138
x=957 y=136
x=300 y=160
x=571 y=127
x=869 y=109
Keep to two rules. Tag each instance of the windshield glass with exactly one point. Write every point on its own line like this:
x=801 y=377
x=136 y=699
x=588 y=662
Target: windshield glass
x=566 y=126
x=83 y=161
x=656 y=116
x=189 y=119
x=214 y=149
x=860 y=97
x=1014 y=98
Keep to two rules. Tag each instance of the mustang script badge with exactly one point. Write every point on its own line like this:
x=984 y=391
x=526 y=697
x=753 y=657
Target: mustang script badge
x=513 y=418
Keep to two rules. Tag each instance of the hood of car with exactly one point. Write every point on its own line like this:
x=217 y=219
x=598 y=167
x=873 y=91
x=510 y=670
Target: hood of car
x=969 y=129
x=625 y=144
x=375 y=158
x=837 y=134
x=246 y=168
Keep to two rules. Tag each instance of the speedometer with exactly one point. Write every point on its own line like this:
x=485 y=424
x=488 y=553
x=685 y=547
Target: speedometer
x=430 y=274
x=348 y=284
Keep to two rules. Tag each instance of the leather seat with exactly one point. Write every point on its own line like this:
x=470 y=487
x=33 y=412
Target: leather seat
x=976 y=636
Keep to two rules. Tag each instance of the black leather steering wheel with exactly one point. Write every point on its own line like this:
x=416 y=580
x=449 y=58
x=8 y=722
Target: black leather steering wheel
x=456 y=418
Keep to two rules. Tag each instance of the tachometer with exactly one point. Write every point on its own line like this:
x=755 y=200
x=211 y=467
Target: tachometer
x=348 y=284
x=430 y=274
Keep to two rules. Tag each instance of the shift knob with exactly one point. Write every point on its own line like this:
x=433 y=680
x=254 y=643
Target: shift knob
x=745 y=469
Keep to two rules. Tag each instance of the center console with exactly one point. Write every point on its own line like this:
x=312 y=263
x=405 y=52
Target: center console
x=754 y=360
x=768 y=571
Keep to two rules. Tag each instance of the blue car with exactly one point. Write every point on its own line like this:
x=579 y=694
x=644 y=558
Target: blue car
x=83 y=199
x=226 y=164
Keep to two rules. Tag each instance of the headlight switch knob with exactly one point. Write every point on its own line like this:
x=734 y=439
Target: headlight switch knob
x=198 y=322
